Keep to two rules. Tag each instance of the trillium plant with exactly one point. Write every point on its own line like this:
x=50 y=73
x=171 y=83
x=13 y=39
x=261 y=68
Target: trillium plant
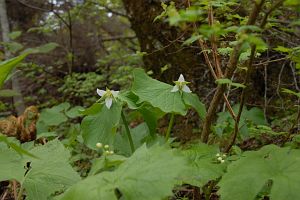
x=181 y=85
x=108 y=95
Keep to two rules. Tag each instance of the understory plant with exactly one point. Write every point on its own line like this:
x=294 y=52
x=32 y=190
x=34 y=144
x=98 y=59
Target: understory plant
x=138 y=160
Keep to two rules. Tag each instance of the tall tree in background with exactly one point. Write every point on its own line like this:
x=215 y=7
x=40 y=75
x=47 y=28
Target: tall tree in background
x=162 y=43
x=18 y=100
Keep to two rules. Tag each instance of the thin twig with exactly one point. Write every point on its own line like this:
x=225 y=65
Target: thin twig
x=219 y=73
x=232 y=65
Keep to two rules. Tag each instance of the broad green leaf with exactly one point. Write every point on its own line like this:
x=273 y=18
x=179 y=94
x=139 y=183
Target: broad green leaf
x=11 y=165
x=204 y=165
x=149 y=174
x=101 y=126
x=225 y=123
x=130 y=99
x=255 y=115
x=8 y=93
x=74 y=112
x=246 y=177
x=7 y=66
x=138 y=134
x=94 y=109
x=193 y=101
x=40 y=177
x=15 y=146
x=157 y=93
x=49 y=174
x=151 y=116
x=52 y=117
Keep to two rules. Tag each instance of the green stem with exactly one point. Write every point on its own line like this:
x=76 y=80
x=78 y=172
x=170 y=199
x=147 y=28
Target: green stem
x=171 y=122
x=128 y=132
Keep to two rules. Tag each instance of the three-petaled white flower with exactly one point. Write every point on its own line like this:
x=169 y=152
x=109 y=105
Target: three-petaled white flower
x=108 y=95
x=181 y=85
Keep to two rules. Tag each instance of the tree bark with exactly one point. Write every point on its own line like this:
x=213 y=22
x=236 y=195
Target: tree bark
x=163 y=43
x=18 y=100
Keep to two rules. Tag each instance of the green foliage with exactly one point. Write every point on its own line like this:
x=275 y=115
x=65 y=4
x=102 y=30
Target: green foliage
x=204 y=165
x=139 y=135
x=297 y=94
x=80 y=86
x=159 y=95
x=101 y=124
x=249 y=118
x=253 y=172
x=150 y=173
x=8 y=93
x=40 y=177
x=7 y=66
x=229 y=82
x=55 y=116
x=15 y=146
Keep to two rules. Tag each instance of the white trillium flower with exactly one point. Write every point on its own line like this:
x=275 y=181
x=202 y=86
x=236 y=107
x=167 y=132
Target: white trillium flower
x=108 y=95
x=181 y=85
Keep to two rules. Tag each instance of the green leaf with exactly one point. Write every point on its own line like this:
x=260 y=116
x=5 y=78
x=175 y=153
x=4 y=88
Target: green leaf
x=42 y=49
x=15 y=34
x=101 y=126
x=130 y=99
x=10 y=165
x=7 y=66
x=204 y=166
x=106 y=163
x=192 y=39
x=8 y=93
x=248 y=176
x=52 y=116
x=138 y=134
x=283 y=49
x=151 y=116
x=16 y=147
x=149 y=174
x=157 y=93
x=52 y=173
x=228 y=81
x=192 y=100
x=74 y=112
x=291 y=92
x=41 y=177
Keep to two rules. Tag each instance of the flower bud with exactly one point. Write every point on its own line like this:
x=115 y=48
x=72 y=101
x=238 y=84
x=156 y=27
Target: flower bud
x=99 y=145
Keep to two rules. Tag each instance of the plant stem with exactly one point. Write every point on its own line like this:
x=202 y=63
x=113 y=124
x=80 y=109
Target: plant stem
x=128 y=132
x=20 y=193
x=171 y=122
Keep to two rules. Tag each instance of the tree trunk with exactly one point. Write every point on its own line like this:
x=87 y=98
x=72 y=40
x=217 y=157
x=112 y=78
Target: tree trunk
x=163 y=43
x=18 y=100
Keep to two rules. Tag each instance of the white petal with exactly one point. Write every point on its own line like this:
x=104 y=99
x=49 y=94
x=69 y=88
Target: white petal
x=181 y=78
x=186 y=89
x=175 y=89
x=101 y=93
x=114 y=93
x=108 y=102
